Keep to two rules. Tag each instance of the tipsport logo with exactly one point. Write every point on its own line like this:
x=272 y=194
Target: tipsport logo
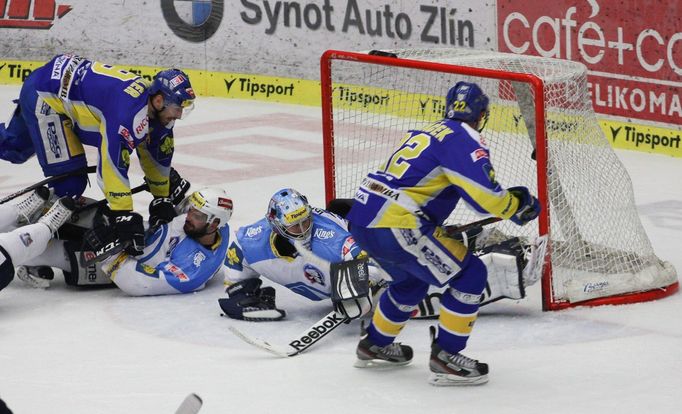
x=30 y=14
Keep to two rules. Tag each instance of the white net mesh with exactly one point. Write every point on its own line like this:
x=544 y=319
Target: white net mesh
x=598 y=245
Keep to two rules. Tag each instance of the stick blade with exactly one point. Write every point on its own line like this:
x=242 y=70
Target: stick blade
x=259 y=343
x=190 y=405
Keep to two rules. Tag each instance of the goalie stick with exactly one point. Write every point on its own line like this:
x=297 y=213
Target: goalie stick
x=300 y=343
x=190 y=405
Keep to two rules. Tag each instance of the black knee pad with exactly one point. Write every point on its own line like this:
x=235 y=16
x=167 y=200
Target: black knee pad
x=6 y=269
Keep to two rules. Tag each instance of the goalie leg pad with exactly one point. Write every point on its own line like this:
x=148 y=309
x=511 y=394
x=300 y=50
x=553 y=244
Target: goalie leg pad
x=90 y=275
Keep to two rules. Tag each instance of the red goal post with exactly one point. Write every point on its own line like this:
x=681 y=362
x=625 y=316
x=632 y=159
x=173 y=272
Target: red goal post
x=539 y=107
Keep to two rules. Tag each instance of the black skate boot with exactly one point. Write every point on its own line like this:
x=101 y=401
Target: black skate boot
x=454 y=369
x=370 y=355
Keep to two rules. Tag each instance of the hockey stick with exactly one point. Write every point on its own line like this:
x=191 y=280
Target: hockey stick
x=48 y=180
x=190 y=405
x=305 y=340
x=451 y=230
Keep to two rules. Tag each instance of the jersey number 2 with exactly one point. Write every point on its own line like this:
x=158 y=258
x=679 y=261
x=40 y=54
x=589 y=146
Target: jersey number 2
x=411 y=148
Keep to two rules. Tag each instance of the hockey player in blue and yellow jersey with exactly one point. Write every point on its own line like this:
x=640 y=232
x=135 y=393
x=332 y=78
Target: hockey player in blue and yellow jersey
x=71 y=102
x=397 y=217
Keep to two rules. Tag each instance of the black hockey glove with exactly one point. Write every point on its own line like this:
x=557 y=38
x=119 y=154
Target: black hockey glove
x=129 y=228
x=178 y=187
x=529 y=206
x=161 y=211
x=247 y=301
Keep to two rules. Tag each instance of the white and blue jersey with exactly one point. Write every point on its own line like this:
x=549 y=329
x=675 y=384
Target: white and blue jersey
x=254 y=253
x=171 y=263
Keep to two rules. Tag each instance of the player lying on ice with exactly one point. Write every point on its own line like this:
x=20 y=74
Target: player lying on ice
x=180 y=256
x=71 y=102
x=266 y=249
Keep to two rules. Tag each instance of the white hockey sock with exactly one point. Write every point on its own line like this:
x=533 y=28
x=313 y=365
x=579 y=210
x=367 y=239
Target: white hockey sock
x=26 y=242
x=8 y=217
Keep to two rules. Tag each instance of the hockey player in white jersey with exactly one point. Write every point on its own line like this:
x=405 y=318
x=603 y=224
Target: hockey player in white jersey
x=266 y=248
x=179 y=257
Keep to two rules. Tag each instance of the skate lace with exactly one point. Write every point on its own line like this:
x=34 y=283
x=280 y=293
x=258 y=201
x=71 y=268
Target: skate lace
x=30 y=205
x=462 y=361
x=394 y=350
x=56 y=217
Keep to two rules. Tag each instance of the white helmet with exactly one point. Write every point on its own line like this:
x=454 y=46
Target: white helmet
x=213 y=202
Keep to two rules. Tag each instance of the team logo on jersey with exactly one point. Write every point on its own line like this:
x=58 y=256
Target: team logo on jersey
x=478 y=154
x=167 y=145
x=254 y=231
x=124 y=160
x=146 y=269
x=347 y=246
x=198 y=258
x=26 y=239
x=490 y=172
x=313 y=274
x=323 y=234
x=233 y=258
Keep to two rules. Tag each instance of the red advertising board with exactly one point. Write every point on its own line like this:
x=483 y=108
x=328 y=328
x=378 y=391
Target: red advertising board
x=632 y=49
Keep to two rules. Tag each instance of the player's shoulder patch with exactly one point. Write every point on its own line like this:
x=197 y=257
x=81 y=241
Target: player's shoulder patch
x=234 y=258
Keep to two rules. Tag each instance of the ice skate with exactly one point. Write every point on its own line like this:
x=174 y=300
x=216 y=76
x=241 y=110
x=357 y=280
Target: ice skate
x=371 y=355
x=58 y=214
x=35 y=276
x=31 y=207
x=454 y=369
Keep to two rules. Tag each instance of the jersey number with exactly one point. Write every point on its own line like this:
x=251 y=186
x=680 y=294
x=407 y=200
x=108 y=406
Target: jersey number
x=412 y=147
x=135 y=89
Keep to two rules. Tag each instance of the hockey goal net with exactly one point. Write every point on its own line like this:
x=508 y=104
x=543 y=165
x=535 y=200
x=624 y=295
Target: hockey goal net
x=542 y=134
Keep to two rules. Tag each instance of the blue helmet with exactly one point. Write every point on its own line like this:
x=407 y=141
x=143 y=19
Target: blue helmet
x=290 y=215
x=466 y=102
x=174 y=85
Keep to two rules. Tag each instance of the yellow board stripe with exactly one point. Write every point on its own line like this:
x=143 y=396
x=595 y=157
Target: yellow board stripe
x=460 y=324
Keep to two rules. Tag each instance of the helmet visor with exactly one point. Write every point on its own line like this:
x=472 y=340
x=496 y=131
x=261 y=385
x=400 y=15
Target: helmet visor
x=301 y=229
x=181 y=111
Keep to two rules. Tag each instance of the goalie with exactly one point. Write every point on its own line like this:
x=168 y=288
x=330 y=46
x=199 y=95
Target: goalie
x=270 y=248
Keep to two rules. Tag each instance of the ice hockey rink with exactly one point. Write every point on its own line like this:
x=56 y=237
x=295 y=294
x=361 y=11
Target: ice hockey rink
x=64 y=350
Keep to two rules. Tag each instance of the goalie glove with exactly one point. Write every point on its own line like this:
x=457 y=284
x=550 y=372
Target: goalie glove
x=247 y=301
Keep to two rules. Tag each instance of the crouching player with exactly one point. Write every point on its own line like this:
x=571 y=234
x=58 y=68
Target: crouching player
x=273 y=248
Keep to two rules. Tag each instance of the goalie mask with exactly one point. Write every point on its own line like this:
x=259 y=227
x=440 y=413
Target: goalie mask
x=289 y=214
x=178 y=95
x=209 y=204
x=466 y=102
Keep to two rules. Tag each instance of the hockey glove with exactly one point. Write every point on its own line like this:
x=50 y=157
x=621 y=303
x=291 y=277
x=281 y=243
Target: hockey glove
x=529 y=206
x=161 y=211
x=178 y=187
x=130 y=230
x=248 y=302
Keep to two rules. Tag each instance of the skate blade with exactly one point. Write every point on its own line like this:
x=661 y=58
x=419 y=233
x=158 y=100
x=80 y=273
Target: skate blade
x=449 y=380
x=378 y=363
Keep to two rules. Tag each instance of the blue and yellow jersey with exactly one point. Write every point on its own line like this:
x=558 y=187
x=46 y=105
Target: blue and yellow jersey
x=108 y=107
x=424 y=179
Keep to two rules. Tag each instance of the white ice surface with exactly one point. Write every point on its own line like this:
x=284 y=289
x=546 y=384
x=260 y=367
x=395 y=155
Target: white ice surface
x=69 y=351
